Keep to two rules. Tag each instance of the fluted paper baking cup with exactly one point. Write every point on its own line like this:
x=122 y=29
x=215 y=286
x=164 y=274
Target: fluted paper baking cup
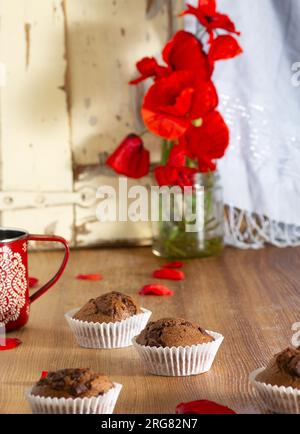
x=107 y=335
x=278 y=399
x=180 y=361
x=103 y=404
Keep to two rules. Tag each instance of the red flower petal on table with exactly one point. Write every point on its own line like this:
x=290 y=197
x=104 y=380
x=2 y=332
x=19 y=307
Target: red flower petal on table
x=169 y=274
x=10 y=344
x=176 y=264
x=44 y=374
x=209 y=141
x=185 y=52
x=32 y=282
x=148 y=67
x=202 y=407
x=130 y=158
x=173 y=102
x=156 y=289
x=96 y=276
x=224 y=47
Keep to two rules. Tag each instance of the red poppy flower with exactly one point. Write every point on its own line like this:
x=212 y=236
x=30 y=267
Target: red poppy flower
x=156 y=289
x=202 y=407
x=208 y=142
x=130 y=158
x=148 y=67
x=174 y=102
x=224 y=47
x=208 y=16
x=169 y=274
x=172 y=176
x=185 y=52
x=175 y=171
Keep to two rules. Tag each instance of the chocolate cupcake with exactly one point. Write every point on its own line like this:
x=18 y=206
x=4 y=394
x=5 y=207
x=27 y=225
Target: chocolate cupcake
x=283 y=370
x=74 y=391
x=111 y=307
x=177 y=347
x=173 y=332
x=109 y=321
x=278 y=385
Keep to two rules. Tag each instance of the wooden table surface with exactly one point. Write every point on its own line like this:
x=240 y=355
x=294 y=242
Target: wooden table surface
x=251 y=297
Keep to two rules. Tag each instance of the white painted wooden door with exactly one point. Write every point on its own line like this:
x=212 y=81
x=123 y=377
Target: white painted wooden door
x=66 y=104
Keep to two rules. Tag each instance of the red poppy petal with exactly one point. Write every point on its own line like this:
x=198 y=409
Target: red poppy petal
x=202 y=407
x=10 y=344
x=208 y=6
x=167 y=104
x=130 y=158
x=163 y=125
x=173 y=102
x=185 y=52
x=222 y=21
x=169 y=274
x=156 y=289
x=137 y=80
x=197 y=12
x=176 y=264
x=32 y=282
x=224 y=47
x=172 y=176
x=96 y=276
x=148 y=67
x=209 y=141
x=205 y=99
x=177 y=157
x=44 y=374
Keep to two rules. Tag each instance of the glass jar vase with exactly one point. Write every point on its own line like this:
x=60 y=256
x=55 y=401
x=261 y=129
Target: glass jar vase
x=173 y=237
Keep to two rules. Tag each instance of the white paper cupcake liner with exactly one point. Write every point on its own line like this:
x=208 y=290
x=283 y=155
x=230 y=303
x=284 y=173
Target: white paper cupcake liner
x=103 y=404
x=180 y=361
x=278 y=399
x=107 y=335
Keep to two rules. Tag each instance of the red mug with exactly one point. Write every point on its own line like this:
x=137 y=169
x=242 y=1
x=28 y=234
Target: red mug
x=14 y=290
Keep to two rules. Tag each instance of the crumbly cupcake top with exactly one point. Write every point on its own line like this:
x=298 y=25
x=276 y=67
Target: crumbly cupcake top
x=283 y=370
x=173 y=332
x=72 y=383
x=111 y=307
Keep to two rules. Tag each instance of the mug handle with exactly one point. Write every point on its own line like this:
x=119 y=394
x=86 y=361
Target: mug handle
x=55 y=278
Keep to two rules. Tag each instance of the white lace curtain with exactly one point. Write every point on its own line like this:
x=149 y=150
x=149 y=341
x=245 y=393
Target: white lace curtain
x=260 y=99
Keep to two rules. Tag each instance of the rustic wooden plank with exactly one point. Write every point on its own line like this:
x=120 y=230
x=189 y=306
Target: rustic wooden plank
x=34 y=120
x=90 y=231
x=249 y=296
x=105 y=39
x=35 y=136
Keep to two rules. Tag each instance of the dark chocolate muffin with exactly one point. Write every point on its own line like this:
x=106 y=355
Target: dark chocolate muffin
x=111 y=307
x=283 y=370
x=173 y=332
x=72 y=383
